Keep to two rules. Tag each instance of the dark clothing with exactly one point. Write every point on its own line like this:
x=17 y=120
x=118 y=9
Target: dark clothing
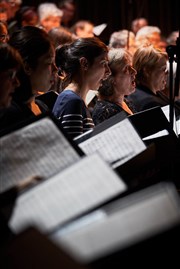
x=104 y=110
x=143 y=98
x=13 y=115
x=73 y=114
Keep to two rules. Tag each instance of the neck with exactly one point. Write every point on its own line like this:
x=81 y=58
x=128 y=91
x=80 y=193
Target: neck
x=117 y=100
x=80 y=91
x=150 y=87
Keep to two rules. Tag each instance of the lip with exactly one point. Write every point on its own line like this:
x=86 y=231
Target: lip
x=133 y=83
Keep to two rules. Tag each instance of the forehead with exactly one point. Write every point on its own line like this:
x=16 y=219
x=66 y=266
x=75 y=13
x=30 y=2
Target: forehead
x=142 y=22
x=52 y=18
x=154 y=36
x=103 y=56
x=88 y=27
x=121 y=65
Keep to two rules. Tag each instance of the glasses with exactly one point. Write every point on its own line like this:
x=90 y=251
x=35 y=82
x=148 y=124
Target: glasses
x=4 y=37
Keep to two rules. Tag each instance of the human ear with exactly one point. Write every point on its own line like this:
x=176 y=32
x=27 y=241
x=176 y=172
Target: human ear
x=84 y=63
x=27 y=69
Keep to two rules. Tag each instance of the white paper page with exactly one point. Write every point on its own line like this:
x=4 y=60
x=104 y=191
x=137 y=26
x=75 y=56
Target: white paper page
x=99 y=29
x=133 y=219
x=77 y=189
x=158 y=134
x=90 y=95
x=116 y=144
x=37 y=149
x=176 y=124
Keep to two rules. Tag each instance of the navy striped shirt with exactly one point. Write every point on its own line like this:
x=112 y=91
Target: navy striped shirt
x=73 y=114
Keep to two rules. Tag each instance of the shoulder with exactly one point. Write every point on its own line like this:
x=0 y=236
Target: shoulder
x=106 y=105
x=68 y=103
x=68 y=96
x=104 y=110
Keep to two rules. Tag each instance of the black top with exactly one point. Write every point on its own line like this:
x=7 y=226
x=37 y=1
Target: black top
x=14 y=115
x=104 y=110
x=143 y=98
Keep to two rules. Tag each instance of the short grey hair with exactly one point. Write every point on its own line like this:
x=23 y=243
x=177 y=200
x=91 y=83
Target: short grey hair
x=48 y=9
x=147 y=30
x=119 y=39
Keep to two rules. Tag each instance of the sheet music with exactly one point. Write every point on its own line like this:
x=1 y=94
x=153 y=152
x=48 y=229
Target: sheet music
x=75 y=190
x=121 y=223
x=116 y=144
x=37 y=149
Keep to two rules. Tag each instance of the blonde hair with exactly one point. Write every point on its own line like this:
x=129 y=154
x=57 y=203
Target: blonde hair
x=146 y=57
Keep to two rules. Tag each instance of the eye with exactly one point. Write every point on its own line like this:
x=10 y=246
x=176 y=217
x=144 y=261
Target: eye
x=104 y=62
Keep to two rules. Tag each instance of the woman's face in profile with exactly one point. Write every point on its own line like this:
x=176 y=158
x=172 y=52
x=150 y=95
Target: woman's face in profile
x=43 y=76
x=98 y=71
x=124 y=80
x=158 y=76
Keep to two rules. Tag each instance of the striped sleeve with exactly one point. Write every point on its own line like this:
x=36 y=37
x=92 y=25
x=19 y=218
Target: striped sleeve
x=73 y=114
x=72 y=123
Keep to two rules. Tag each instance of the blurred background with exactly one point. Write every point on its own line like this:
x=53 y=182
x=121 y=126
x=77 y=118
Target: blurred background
x=118 y=14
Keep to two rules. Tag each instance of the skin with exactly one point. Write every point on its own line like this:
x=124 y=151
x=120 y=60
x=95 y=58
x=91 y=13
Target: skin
x=124 y=83
x=3 y=31
x=43 y=76
x=33 y=21
x=94 y=74
x=51 y=22
x=68 y=13
x=91 y=75
x=157 y=77
x=97 y=72
x=86 y=32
